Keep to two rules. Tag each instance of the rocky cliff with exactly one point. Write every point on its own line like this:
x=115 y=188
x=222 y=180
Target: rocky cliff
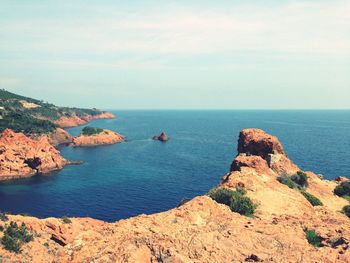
x=72 y=121
x=103 y=138
x=59 y=136
x=21 y=156
x=203 y=230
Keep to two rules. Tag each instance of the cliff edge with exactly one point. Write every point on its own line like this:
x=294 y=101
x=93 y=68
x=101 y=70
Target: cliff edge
x=21 y=156
x=284 y=227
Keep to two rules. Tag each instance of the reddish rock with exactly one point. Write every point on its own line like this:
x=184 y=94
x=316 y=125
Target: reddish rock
x=258 y=142
x=255 y=162
x=161 y=137
x=202 y=230
x=341 y=179
x=67 y=122
x=60 y=136
x=104 y=138
x=21 y=156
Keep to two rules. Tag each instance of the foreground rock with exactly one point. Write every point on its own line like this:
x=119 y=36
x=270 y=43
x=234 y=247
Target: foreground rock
x=72 y=121
x=202 y=230
x=21 y=156
x=103 y=138
x=163 y=137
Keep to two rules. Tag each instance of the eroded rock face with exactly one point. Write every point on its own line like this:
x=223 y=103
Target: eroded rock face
x=59 y=137
x=258 y=142
x=21 y=156
x=254 y=143
x=67 y=122
x=163 y=137
x=202 y=230
x=103 y=138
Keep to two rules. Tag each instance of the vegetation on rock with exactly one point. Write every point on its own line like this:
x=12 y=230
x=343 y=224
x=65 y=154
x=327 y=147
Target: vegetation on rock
x=3 y=217
x=38 y=118
x=14 y=237
x=346 y=210
x=284 y=179
x=300 y=178
x=89 y=131
x=236 y=200
x=299 y=181
x=343 y=189
x=313 y=238
x=66 y=220
x=312 y=199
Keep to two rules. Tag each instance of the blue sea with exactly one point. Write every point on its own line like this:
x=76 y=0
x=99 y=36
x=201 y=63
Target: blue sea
x=145 y=176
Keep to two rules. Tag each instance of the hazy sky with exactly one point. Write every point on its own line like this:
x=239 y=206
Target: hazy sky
x=178 y=54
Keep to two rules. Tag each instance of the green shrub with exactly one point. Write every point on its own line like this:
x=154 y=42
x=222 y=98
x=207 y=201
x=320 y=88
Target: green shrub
x=14 y=237
x=300 y=178
x=66 y=220
x=3 y=217
x=88 y=131
x=343 y=189
x=242 y=205
x=236 y=200
x=346 y=210
x=288 y=182
x=313 y=238
x=221 y=195
x=312 y=199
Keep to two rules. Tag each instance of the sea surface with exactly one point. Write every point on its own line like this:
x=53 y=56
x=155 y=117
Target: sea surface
x=146 y=176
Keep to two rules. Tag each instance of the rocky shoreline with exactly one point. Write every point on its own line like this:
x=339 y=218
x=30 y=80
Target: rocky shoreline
x=69 y=122
x=23 y=156
x=204 y=230
x=106 y=137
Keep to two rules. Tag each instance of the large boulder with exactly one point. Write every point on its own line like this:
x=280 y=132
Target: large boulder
x=253 y=143
x=258 y=142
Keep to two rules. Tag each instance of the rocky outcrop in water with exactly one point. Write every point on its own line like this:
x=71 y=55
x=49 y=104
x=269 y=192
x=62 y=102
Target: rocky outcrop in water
x=202 y=230
x=21 y=156
x=163 y=137
x=104 y=138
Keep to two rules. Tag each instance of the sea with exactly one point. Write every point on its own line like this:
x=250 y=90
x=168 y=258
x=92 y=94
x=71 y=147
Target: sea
x=143 y=176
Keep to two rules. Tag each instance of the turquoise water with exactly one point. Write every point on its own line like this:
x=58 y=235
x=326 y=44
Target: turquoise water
x=146 y=176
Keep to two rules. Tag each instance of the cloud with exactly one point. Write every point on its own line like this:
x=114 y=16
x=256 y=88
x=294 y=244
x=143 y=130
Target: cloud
x=301 y=27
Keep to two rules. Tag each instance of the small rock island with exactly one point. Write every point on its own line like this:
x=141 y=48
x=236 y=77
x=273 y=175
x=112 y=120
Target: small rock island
x=93 y=136
x=163 y=137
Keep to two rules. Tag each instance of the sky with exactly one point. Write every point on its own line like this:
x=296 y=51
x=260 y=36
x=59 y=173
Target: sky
x=178 y=54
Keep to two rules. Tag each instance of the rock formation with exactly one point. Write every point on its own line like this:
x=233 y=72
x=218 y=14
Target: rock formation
x=67 y=122
x=21 y=156
x=59 y=137
x=103 y=138
x=163 y=137
x=202 y=230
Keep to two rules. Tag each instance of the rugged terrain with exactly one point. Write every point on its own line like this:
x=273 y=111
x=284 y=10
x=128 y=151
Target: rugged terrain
x=29 y=129
x=104 y=137
x=32 y=116
x=203 y=230
x=21 y=156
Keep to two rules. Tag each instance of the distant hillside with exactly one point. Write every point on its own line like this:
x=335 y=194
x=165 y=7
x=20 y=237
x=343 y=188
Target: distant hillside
x=33 y=116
